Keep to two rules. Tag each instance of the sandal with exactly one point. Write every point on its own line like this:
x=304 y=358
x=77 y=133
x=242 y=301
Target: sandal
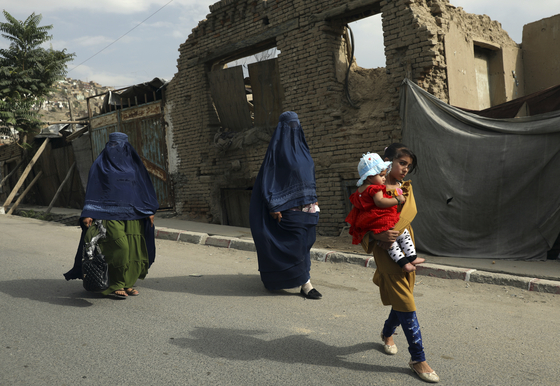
x=389 y=349
x=131 y=292
x=431 y=377
x=115 y=295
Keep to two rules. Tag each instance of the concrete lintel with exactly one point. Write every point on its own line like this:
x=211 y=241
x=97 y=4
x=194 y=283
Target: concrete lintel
x=343 y=9
x=231 y=48
x=486 y=44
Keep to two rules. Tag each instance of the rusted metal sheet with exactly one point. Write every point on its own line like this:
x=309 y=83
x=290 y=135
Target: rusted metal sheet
x=104 y=120
x=155 y=170
x=99 y=137
x=228 y=93
x=141 y=111
x=146 y=133
x=130 y=128
x=268 y=94
x=154 y=149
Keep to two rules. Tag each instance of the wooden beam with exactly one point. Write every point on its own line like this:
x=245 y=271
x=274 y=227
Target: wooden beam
x=72 y=127
x=90 y=112
x=12 y=172
x=20 y=198
x=77 y=134
x=23 y=176
x=71 y=181
x=60 y=187
x=84 y=122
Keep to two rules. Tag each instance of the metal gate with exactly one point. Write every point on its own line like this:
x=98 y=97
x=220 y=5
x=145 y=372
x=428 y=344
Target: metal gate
x=146 y=133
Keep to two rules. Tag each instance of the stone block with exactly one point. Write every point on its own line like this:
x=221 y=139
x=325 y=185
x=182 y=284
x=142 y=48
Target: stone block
x=444 y=272
x=542 y=285
x=166 y=234
x=219 y=241
x=193 y=237
x=244 y=245
x=500 y=279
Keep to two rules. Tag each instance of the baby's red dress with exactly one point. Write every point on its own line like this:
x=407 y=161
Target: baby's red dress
x=365 y=216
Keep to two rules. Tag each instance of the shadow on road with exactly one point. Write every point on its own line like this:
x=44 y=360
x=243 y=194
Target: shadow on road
x=71 y=293
x=212 y=285
x=48 y=291
x=245 y=345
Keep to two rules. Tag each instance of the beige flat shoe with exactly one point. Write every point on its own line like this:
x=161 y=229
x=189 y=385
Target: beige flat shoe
x=428 y=377
x=389 y=349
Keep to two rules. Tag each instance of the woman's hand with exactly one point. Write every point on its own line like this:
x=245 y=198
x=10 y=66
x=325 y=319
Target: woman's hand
x=88 y=221
x=276 y=215
x=385 y=239
x=152 y=220
x=389 y=236
x=402 y=199
x=384 y=245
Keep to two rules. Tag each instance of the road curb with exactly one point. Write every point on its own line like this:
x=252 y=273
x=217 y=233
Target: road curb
x=325 y=255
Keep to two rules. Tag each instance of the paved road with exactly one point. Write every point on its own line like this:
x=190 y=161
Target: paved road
x=203 y=318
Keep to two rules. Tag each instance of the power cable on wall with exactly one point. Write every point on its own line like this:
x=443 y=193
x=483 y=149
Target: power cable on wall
x=346 y=90
x=132 y=29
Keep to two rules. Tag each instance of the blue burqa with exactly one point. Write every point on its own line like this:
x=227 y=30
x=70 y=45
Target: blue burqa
x=119 y=188
x=286 y=180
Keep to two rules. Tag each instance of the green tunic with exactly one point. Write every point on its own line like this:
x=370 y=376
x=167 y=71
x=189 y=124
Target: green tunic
x=125 y=252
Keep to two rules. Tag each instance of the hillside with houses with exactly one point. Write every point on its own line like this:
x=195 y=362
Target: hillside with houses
x=72 y=92
x=67 y=92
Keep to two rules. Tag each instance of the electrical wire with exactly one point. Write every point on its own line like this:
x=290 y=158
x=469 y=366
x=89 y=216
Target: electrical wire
x=122 y=36
x=346 y=91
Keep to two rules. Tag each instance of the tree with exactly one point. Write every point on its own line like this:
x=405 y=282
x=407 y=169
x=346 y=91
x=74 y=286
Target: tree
x=27 y=72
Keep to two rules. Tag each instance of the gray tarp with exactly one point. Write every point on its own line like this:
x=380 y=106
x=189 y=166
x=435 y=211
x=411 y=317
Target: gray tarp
x=485 y=188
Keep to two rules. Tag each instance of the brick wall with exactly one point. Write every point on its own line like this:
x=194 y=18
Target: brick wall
x=309 y=35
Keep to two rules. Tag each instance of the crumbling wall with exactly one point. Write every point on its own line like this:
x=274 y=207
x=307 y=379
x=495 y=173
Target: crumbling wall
x=541 y=54
x=432 y=42
x=311 y=38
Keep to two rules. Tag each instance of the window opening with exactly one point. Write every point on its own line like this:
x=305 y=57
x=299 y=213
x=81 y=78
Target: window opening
x=246 y=92
x=364 y=78
x=369 y=49
x=361 y=57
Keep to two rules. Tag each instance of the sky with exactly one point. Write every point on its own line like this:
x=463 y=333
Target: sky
x=124 y=42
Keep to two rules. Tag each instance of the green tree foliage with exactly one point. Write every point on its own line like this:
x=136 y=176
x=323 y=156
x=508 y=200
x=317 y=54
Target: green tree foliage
x=27 y=72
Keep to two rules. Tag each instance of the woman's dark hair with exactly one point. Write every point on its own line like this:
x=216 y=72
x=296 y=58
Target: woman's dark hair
x=398 y=150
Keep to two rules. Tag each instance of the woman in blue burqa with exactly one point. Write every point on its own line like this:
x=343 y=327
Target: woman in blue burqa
x=284 y=210
x=120 y=192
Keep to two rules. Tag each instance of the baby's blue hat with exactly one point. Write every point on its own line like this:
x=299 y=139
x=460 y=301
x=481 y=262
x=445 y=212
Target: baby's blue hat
x=371 y=164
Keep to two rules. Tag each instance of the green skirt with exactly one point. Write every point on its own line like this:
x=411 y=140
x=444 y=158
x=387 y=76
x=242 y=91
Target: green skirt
x=125 y=252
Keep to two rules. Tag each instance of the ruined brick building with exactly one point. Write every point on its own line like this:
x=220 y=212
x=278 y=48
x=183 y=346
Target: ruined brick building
x=217 y=140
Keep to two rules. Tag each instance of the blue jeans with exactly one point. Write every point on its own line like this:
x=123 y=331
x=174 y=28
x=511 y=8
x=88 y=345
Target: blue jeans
x=411 y=330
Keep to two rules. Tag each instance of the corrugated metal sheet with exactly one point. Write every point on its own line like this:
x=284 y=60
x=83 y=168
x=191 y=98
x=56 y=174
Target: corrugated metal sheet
x=155 y=151
x=104 y=120
x=146 y=133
